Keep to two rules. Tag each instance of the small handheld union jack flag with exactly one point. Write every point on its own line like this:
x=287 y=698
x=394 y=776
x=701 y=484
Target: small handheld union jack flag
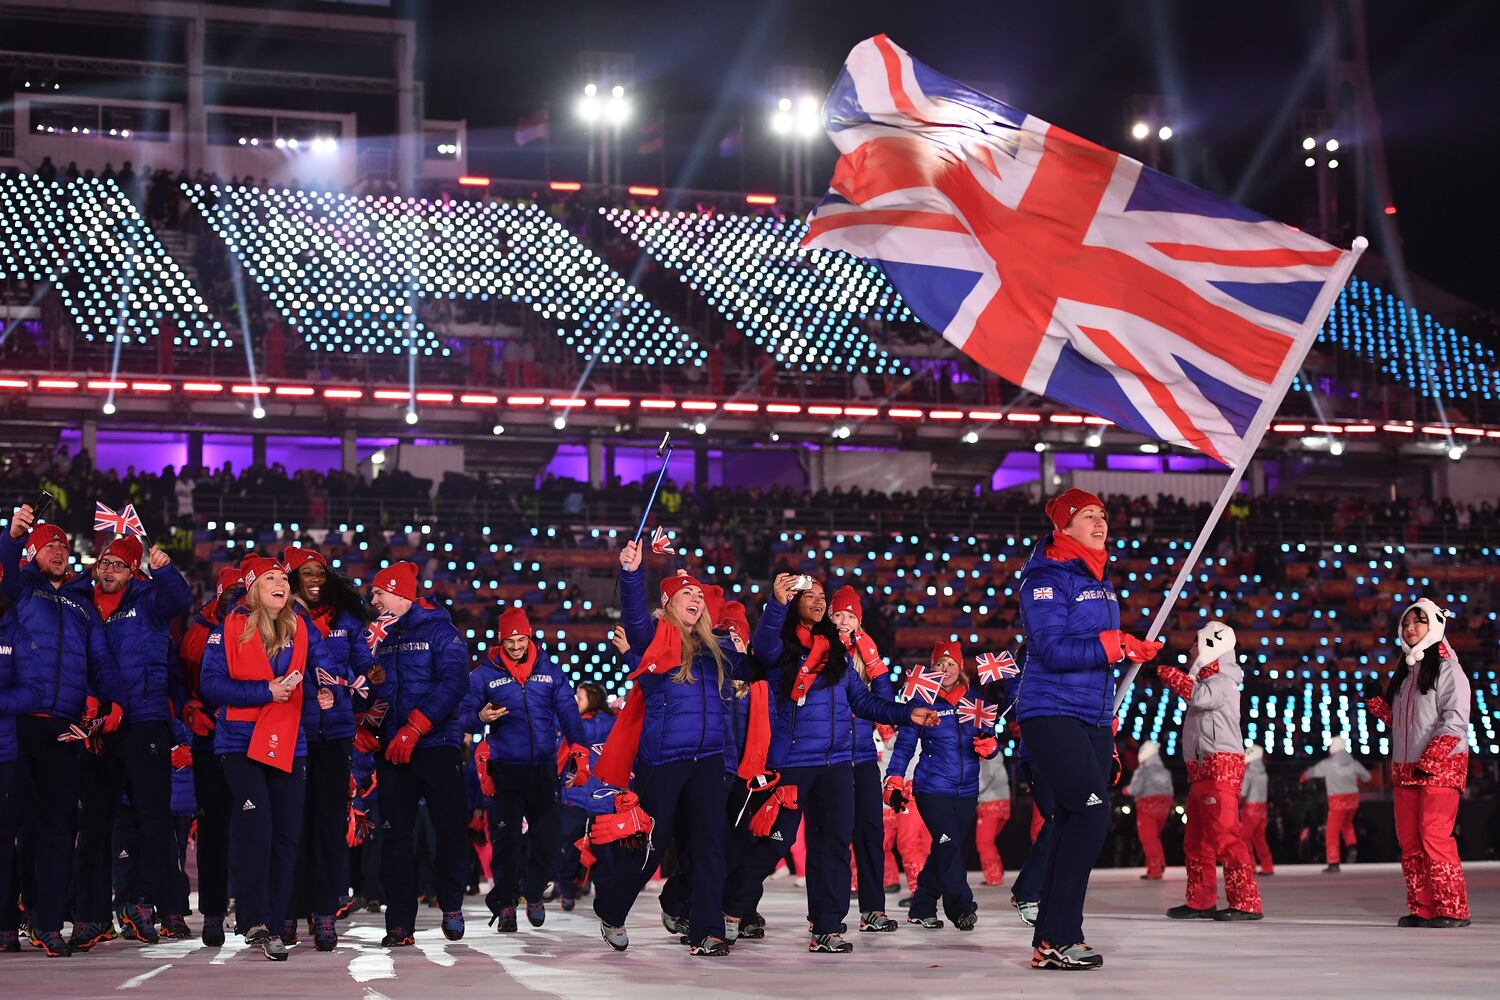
x=123 y=522
x=661 y=542
x=358 y=685
x=978 y=713
x=920 y=682
x=375 y=715
x=133 y=521
x=375 y=634
x=993 y=666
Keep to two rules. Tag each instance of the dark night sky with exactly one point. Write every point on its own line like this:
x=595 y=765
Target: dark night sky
x=1236 y=67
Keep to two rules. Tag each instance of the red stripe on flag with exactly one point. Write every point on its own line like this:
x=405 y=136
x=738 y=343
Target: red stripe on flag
x=893 y=76
x=1160 y=394
x=888 y=217
x=1247 y=258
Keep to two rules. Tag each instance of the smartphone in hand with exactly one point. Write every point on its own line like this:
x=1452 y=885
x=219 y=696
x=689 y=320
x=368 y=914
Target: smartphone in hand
x=292 y=679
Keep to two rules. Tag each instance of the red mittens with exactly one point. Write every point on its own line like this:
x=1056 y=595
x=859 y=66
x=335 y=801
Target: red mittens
x=406 y=738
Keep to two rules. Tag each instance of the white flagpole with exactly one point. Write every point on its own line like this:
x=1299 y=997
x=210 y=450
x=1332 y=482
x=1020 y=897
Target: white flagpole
x=1253 y=435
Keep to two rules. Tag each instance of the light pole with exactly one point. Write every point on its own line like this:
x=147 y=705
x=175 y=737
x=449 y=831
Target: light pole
x=797 y=123
x=613 y=111
x=1152 y=122
x=589 y=110
x=616 y=112
x=1320 y=152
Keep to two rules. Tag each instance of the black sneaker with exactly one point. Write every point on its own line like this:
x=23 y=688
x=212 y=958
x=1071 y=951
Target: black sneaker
x=927 y=923
x=1074 y=958
x=270 y=945
x=397 y=937
x=676 y=926
x=753 y=927
x=504 y=920
x=325 y=933
x=88 y=934
x=876 y=922
x=830 y=944
x=289 y=933
x=1331 y=868
x=349 y=906
x=453 y=925
x=710 y=947
x=1185 y=912
x=1230 y=913
x=213 y=931
x=1412 y=920
x=175 y=928
x=51 y=943
x=904 y=903
x=1447 y=923
x=966 y=921
x=140 y=922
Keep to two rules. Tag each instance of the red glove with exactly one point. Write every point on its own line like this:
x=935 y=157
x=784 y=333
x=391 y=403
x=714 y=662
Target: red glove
x=1113 y=643
x=482 y=765
x=1139 y=650
x=365 y=740
x=182 y=756
x=986 y=746
x=114 y=717
x=896 y=793
x=580 y=757
x=1176 y=681
x=405 y=740
x=198 y=718
x=865 y=647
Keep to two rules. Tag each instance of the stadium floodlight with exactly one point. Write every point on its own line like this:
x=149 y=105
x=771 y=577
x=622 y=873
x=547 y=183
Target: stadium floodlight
x=560 y=424
x=1150 y=448
x=590 y=107
x=1335 y=448
x=1164 y=133
x=259 y=413
x=411 y=417
x=1309 y=162
x=1455 y=451
x=1039 y=447
x=972 y=437
x=1140 y=130
x=1094 y=439
x=108 y=408
x=378 y=458
x=1332 y=145
x=497 y=429
x=1309 y=143
x=1333 y=164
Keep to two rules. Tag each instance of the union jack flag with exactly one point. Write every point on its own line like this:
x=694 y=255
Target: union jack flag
x=993 y=666
x=375 y=715
x=375 y=634
x=120 y=522
x=920 y=682
x=358 y=685
x=977 y=712
x=661 y=542
x=1065 y=268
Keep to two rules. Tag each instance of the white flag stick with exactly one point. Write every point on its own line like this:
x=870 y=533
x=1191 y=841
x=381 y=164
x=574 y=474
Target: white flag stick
x=1257 y=430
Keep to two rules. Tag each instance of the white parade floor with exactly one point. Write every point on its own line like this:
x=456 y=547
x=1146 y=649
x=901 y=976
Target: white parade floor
x=1324 y=936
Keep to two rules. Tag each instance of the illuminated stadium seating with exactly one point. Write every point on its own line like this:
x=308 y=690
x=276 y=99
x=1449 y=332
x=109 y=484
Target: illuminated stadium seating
x=350 y=271
x=111 y=271
x=803 y=306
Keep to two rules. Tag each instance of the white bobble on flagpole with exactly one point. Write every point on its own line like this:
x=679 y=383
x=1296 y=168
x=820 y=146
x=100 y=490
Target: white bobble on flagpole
x=1361 y=244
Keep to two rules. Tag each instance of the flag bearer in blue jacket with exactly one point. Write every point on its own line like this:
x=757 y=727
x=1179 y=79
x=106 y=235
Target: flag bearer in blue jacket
x=813 y=698
x=523 y=697
x=335 y=609
x=423 y=665
x=67 y=656
x=947 y=788
x=1071 y=618
x=135 y=759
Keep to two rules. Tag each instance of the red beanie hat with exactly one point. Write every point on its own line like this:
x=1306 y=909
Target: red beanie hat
x=672 y=584
x=42 y=536
x=947 y=648
x=713 y=602
x=513 y=621
x=128 y=549
x=1067 y=503
x=255 y=566
x=229 y=576
x=399 y=579
x=847 y=599
x=296 y=555
x=732 y=616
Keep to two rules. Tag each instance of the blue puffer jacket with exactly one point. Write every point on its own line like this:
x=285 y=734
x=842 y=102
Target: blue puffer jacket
x=819 y=732
x=13 y=700
x=535 y=711
x=184 y=801
x=59 y=641
x=596 y=728
x=864 y=730
x=139 y=632
x=1063 y=610
x=683 y=721
x=217 y=688
x=949 y=765
x=426 y=665
x=349 y=657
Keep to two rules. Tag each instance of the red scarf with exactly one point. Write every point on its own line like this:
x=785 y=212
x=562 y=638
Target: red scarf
x=757 y=732
x=955 y=695
x=1063 y=547
x=107 y=604
x=618 y=757
x=520 y=671
x=817 y=657
x=274 y=741
x=322 y=617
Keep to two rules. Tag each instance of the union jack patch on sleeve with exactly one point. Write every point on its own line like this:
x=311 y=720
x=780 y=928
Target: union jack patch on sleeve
x=1041 y=593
